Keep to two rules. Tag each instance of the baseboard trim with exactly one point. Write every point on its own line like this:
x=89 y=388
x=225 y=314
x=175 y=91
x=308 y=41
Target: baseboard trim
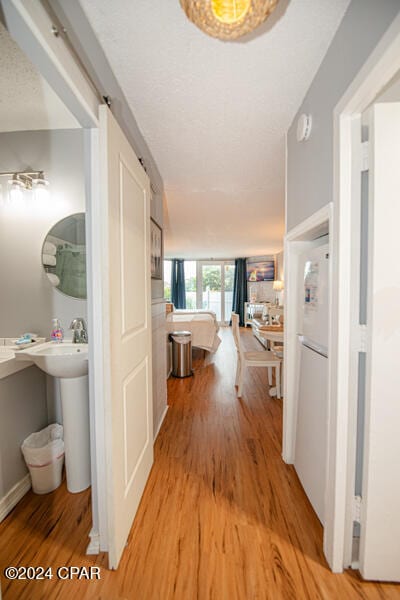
x=160 y=423
x=12 y=497
x=94 y=544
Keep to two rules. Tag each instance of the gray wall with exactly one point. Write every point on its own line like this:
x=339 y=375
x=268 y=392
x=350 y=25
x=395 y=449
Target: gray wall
x=28 y=300
x=310 y=164
x=279 y=261
x=22 y=411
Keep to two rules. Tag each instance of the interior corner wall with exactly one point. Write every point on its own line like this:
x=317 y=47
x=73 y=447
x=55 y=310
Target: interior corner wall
x=28 y=300
x=279 y=266
x=310 y=163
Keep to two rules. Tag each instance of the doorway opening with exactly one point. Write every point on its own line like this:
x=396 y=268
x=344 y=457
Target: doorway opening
x=43 y=241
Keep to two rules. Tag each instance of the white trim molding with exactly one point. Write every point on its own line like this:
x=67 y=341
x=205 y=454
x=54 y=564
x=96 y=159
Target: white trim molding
x=378 y=70
x=12 y=497
x=160 y=423
x=94 y=544
x=296 y=242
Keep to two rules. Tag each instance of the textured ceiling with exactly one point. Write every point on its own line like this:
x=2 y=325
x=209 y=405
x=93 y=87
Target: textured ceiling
x=26 y=100
x=214 y=113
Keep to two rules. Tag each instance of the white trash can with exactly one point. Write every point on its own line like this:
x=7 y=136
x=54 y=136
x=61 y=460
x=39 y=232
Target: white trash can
x=44 y=455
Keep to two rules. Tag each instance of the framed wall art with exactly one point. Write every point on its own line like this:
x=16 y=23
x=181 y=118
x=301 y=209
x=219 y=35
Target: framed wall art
x=156 y=250
x=261 y=271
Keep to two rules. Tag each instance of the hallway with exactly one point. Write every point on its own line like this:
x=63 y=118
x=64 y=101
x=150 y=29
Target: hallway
x=222 y=516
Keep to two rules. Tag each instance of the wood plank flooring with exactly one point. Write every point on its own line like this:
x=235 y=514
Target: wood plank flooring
x=222 y=517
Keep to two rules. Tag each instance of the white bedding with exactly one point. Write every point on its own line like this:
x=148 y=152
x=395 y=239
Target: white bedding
x=202 y=326
x=197 y=311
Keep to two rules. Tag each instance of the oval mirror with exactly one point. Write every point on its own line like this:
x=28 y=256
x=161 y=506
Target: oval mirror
x=64 y=256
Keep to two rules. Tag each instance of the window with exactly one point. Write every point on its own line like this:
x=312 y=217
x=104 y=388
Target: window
x=215 y=288
x=167 y=280
x=190 y=283
x=208 y=285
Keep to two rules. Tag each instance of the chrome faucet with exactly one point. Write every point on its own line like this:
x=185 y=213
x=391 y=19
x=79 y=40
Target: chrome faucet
x=80 y=335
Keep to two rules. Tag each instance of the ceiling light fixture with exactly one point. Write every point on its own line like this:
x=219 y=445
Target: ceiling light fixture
x=228 y=19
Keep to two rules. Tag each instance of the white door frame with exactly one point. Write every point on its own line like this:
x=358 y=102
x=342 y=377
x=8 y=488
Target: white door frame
x=31 y=26
x=297 y=241
x=377 y=71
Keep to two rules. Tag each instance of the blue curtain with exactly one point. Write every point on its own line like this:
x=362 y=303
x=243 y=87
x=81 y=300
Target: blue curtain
x=178 y=294
x=240 y=289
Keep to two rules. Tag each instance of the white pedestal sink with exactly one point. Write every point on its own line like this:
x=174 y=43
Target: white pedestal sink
x=69 y=362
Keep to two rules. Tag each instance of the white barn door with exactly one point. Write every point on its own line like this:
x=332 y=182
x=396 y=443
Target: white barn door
x=380 y=513
x=128 y=401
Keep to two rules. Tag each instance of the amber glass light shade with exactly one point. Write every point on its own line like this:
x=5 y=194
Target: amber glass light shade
x=230 y=11
x=228 y=19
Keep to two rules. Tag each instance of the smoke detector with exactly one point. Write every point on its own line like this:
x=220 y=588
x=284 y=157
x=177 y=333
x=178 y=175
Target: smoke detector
x=304 y=125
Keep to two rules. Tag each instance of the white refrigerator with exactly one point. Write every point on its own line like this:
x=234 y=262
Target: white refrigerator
x=312 y=409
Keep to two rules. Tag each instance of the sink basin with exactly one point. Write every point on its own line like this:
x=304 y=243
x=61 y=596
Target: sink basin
x=6 y=354
x=65 y=360
x=69 y=362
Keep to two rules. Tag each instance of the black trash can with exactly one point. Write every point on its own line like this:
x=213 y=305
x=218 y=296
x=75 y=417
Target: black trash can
x=181 y=353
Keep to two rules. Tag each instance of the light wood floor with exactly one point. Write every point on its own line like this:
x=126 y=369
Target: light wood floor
x=222 y=517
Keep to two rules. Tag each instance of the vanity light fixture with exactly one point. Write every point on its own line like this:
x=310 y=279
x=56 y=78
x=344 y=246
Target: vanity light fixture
x=15 y=189
x=22 y=181
x=228 y=19
x=40 y=187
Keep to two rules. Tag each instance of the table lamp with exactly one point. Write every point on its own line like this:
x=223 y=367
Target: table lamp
x=277 y=287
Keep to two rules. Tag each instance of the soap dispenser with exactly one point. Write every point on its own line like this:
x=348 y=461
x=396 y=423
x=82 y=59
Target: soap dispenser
x=57 y=332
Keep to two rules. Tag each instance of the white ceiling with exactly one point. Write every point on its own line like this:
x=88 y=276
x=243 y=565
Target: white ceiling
x=27 y=102
x=214 y=113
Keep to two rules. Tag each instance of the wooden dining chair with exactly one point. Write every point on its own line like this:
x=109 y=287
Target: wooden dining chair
x=254 y=358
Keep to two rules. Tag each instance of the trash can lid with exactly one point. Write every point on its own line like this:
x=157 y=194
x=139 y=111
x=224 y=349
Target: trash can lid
x=180 y=333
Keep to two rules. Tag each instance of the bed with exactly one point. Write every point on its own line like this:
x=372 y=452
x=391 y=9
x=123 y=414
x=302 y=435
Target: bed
x=197 y=311
x=202 y=325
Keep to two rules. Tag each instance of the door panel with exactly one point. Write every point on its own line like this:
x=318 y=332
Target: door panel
x=312 y=426
x=132 y=244
x=129 y=447
x=136 y=437
x=380 y=516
